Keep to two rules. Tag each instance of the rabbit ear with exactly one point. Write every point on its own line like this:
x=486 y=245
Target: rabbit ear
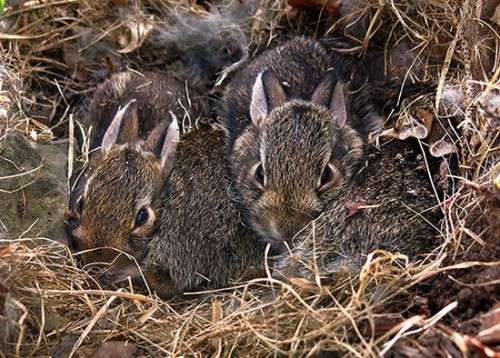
x=338 y=104
x=331 y=94
x=168 y=150
x=163 y=143
x=124 y=128
x=267 y=94
x=322 y=95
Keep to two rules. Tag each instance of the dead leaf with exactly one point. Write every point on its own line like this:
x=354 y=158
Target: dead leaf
x=139 y=31
x=441 y=148
x=416 y=127
x=38 y=131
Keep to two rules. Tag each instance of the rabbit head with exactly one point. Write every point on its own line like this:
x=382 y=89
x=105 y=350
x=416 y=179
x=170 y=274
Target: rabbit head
x=115 y=207
x=292 y=157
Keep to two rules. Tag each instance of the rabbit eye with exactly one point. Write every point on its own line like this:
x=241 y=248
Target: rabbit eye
x=141 y=217
x=259 y=175
x=144 y=224
x=327 y=179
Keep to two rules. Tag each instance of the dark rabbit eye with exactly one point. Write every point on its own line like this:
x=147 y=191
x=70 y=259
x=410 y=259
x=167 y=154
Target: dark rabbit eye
x=327 y=178
x=144 y=224
x=259 y=174
x=142 y=217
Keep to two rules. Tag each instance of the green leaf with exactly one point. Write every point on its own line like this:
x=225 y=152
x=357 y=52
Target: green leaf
x=2 y=6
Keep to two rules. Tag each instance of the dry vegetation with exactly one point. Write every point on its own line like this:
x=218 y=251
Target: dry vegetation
x=440 y=304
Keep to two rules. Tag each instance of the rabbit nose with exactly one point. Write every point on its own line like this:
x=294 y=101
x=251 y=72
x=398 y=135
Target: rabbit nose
x=275 y=231
x=294 y=222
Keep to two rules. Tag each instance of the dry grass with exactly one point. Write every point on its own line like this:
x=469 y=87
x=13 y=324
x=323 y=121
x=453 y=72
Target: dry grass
x=48 y=305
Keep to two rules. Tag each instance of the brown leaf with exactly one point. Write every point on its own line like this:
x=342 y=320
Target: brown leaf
x=139 y=31
x=441 y=148
x=414 y=128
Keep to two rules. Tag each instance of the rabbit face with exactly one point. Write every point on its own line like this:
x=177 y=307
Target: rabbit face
x=116 y=208
x=119 y=205
x=288 y=162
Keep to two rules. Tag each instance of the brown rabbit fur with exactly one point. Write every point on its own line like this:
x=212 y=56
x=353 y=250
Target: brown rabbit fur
x=290 y=145
x=389 y=205
x=114 y=201
x=200 y=241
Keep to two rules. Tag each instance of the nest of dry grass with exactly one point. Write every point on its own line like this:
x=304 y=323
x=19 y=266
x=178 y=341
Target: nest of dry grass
x=398 y=306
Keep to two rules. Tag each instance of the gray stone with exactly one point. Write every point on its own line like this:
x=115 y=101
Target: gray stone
x=33 y=188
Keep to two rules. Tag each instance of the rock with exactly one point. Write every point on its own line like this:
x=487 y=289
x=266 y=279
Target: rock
x=33 y=188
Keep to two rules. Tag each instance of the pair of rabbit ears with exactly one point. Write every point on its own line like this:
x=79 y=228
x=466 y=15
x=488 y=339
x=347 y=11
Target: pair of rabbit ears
x=268 y=93
x=124 y=128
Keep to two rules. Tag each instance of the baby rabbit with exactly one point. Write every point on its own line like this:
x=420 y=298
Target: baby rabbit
x=180 y=225
x=200 y=240
x=290 y=145
x=389 y=205
x=114 y=201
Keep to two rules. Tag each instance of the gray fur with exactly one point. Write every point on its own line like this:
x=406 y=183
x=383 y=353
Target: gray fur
x=294 y=140
x=200 y=241
x=197 y=238
x=130 y=172
x=401 y=216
